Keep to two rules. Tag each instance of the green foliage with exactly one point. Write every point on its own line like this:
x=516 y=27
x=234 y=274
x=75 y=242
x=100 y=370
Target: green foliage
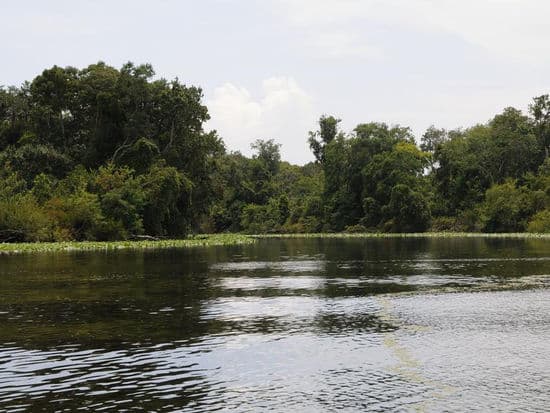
x=22 y=219
x=328 y=131
x=122 y=199
x=259 y=219
x=433 y=138
x=31 y=160
x=202 y=241
x=76 y=217
x=485 y=155
x=42 y=188
x=101 y=153
x=507 y=207
x=268 y=155
x=166 y=194
x=129 y=148
x=356 y=229
x=393 y=190
x=407 y=211
x=361 y=171
x=540 y=222
x=540 y=111
x=141 y=155
x=444 y=224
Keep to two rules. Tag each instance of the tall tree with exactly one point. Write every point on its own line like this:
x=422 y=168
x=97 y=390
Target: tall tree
x=540 y=111
x=328 y=131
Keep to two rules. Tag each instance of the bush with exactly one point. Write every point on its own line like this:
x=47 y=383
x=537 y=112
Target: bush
x=540 y=222
x=76 y=217
x=442 y=224
x=507 y=208
x=122 y=199
x=466 y=221
x=167 y=196
x=356 y=229
x=258 y=219
x=23 y=220
x=308 y=224
x=409 y=210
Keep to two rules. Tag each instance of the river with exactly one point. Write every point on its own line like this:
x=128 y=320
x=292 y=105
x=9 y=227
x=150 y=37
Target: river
x=304 y=325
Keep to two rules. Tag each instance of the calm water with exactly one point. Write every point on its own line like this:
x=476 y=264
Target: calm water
x=282 y=325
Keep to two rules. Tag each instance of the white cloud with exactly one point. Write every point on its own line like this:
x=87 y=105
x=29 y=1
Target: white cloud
x=233 y=108
x=341 y=43
x=509 y=28
x=284 y=113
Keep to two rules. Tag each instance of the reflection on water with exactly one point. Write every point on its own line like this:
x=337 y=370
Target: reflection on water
x=306 y=325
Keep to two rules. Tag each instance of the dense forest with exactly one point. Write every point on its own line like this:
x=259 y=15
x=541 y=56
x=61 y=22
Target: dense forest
x=105 y=154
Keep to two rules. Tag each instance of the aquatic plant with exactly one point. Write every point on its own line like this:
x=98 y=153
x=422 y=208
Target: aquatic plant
x=198 y=241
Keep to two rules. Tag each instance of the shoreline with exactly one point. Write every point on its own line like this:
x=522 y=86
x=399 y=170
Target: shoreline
x=234 y=239
x=526 y=235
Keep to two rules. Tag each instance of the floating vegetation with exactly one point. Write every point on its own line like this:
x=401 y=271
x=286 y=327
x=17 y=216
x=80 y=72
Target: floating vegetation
x=198 y=241
x=232 y=239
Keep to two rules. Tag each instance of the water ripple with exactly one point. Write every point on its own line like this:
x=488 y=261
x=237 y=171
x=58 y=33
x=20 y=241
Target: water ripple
x=304 y=325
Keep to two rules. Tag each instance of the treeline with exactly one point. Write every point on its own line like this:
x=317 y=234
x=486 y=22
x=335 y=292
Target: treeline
x=493 y=177
x=101 y=153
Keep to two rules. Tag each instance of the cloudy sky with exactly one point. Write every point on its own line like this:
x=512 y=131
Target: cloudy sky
x=270 y=68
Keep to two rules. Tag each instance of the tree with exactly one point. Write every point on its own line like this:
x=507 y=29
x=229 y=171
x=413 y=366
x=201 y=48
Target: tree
x=508 y=207
x=432 y=138
x=268 y=153
x=30 y=160
x=513 y=147
x=407 y=210
x=540 y=110
x=394 y=195
x=122 y=199
x=167 y=201
x=53 y=98
x=14 y=115
x=107 y=153
x=471 y=162
x=328 y=131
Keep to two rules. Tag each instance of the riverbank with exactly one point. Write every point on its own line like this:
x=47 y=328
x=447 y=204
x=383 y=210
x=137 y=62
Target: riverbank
x=231 y=239
x=407 y=235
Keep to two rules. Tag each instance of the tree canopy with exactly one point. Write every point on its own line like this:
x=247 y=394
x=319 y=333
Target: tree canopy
x=106 y=153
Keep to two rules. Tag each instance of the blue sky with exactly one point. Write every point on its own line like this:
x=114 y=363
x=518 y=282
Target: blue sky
x=270 y=68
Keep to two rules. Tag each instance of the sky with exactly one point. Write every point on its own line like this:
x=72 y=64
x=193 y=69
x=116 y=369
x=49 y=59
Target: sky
x=270 y=68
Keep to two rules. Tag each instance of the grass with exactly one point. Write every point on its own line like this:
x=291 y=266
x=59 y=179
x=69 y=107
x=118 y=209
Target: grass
x=228 y=239
x=198 y=241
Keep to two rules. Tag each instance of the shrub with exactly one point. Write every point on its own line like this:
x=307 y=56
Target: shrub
x=257 y=219
x=441 y=224
x=540 y=222
x=77 y=216
x=507 y=207
x=409 y=210
x=122 y=199
x=356 y=228
x=22 y=219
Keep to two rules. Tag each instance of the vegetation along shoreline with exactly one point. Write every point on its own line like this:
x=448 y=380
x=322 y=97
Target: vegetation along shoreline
x=213 y=240
x=107 y=154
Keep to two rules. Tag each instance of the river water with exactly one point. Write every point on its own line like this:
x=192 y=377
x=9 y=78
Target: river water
x=303 y=325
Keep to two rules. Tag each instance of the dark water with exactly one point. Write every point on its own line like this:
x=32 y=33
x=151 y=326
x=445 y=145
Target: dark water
x=282 y=325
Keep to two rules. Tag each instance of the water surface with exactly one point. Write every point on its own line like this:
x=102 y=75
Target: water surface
x=300 y=324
